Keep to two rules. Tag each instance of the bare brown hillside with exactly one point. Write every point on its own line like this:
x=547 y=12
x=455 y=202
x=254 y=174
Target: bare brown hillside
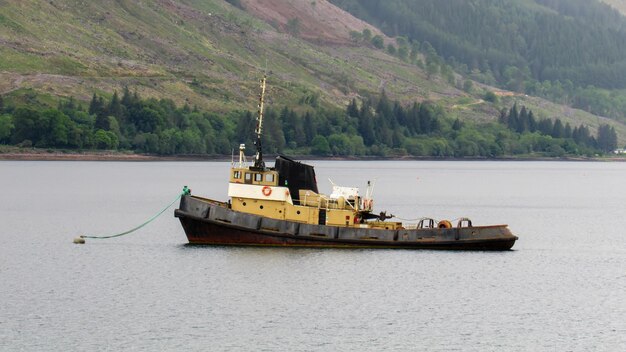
x=317 y=20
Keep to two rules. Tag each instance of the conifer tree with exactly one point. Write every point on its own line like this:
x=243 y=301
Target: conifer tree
x=245 y=128
x=427 y=122
x=567 y=131
x=522 y=121
x=513 y=118
x=384 y=106
x=115 y=107
x=309 y=127
x=457 y=125
x=414 y=119
x=127 y=98
x=366 y=125
x=94 y=106
x=353 y=109
x=532 y=123
x=102 y=122
x=607 y=138
x=557 y=129
x=400 y=116
x=582 y=136
x=503 y=118
x=545 y=126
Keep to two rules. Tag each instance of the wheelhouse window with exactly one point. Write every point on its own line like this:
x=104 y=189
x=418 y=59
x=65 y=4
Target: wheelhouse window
x=269 y=178
x=248 y=177
x=258 y=177
x=237 y=174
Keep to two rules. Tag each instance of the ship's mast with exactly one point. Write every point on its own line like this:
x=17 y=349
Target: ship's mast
x=242 y=156
x=258 y=158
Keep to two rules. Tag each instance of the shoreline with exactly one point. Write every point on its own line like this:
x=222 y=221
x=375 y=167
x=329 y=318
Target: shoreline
x=44 y=155
x=58 y=156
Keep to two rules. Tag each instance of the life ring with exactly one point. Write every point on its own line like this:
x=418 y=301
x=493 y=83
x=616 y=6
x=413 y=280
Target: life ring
x=444 y=224
x=267 y=191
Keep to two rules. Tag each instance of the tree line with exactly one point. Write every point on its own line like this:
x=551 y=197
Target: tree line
x=128 y=123
x=372 y=126
x=523 y=121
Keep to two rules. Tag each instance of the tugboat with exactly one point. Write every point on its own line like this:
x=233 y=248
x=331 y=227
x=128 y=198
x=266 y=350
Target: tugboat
x=281 y=206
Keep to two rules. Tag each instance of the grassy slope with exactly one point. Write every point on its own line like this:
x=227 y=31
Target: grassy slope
x=76 y=47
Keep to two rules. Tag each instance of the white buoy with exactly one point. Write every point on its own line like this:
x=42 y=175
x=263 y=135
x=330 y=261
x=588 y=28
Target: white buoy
x=79 y=240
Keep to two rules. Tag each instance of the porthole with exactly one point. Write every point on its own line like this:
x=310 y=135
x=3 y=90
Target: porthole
x=261 y=207
x=244 y=204
x=298 y=212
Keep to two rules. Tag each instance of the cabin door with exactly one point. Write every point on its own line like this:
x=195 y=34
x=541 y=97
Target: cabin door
x=322 y=219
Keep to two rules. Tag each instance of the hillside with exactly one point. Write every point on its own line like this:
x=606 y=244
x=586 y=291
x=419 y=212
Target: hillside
x=210 y=54
x=572 y=52
x=577 y=40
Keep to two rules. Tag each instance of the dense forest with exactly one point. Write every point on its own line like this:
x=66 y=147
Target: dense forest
x=375 y=126
x=570 y=51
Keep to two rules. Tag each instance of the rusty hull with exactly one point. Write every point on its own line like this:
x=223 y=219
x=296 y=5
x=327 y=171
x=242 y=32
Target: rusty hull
x=207 y=222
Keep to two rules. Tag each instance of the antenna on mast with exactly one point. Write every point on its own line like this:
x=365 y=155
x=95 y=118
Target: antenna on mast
x=258 y=158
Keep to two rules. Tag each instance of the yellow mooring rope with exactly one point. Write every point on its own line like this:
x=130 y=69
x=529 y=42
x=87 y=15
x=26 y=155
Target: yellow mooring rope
x=81 y=239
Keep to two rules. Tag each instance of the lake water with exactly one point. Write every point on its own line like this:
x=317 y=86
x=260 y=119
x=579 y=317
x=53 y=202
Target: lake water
x=562 y=288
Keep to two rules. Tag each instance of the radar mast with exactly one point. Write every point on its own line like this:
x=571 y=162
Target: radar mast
x=258 y=158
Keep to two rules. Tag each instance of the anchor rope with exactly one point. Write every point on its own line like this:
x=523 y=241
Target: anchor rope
x=186 y=191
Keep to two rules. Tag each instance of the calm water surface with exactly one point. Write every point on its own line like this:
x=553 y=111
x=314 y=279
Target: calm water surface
x=562 y=288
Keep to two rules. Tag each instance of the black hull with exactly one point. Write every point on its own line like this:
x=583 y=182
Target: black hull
x=208 y=222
